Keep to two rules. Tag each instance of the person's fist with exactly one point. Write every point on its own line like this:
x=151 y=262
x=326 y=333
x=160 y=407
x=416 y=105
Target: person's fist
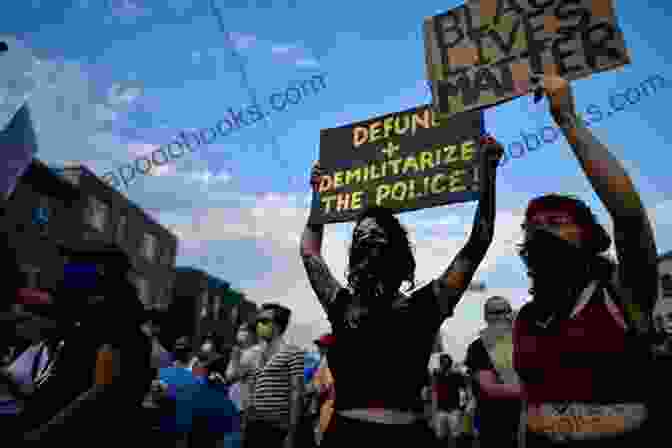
x=560 y=98
x=492 y=150
x=316 y=176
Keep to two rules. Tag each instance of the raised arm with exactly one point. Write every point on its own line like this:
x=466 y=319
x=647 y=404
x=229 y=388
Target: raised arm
x=323 y=282
x=635 y=244
x=450 y=287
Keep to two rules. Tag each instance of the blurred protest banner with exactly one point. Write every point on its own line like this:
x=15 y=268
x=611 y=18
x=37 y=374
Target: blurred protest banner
x=482 y=53
x=18 y=143
x=403 y=161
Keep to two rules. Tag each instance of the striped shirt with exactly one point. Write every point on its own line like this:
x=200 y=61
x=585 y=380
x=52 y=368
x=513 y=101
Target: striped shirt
x=272 y=385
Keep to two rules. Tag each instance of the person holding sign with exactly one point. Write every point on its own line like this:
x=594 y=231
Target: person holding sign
x=380 y=328
x=581 y=346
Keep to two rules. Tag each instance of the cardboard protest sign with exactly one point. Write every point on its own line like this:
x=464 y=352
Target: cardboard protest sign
x=403 y=161
x=482 y=53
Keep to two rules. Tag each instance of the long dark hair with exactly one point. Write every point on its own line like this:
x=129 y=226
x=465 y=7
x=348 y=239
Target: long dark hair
x=402 y=266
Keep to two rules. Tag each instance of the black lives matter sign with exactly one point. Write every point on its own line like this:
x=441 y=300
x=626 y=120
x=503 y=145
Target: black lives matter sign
x=402 y=161
x=483 y=53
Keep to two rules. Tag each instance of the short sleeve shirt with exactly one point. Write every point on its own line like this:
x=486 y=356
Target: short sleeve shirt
x=499 y=416
x=380 y=359
x=272 y=385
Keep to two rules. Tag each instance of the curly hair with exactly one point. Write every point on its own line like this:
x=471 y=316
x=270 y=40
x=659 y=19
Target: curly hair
x=401 y=250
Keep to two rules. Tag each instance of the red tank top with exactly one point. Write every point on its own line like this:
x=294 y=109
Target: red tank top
x=584 y=358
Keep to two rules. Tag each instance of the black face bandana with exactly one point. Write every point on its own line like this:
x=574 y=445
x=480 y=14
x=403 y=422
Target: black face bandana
x=368 y=265
x=558 y=270
x=546 y=254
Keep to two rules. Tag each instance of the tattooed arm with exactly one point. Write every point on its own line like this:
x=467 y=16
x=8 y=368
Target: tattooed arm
x=635 y=244
x=450 y=287
x=323 y=282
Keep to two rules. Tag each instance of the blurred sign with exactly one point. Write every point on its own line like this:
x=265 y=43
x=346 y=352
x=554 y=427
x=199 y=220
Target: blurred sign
x=483 y=52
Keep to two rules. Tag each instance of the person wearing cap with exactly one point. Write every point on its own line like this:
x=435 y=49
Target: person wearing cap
x=277 y=398
x=245 y=357
x=582 y=344
x=446 y=387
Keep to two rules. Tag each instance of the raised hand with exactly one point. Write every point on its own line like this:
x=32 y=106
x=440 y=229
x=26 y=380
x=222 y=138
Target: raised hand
x=560 y=98
x=492 y=149
x=316 y=176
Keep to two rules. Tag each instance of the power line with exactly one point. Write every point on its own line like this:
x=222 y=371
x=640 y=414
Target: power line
x=242 y=69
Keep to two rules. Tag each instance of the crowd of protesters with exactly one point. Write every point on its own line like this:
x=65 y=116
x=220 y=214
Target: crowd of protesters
x=584 y=363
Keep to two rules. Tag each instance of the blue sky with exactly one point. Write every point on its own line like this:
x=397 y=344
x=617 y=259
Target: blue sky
x=131 y=74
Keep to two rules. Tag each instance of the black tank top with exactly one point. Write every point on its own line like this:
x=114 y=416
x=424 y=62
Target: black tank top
x=380 y=360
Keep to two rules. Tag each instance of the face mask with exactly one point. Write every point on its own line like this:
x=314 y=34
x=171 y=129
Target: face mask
x=265 y=331
x=544 y=253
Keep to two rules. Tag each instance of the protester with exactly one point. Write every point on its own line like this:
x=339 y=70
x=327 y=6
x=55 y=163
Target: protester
x=446 y=387
x=216 y=418
x=324 y=385
x=581 y=345
x=380 y=328
x=87 y=385
x=183 y=354
x=277 y=392
x=173 y=392
x=32 y=323
x=662 y=370
x=498 y=390
x=160 y=356
x=662 y=317
x=245 y=358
